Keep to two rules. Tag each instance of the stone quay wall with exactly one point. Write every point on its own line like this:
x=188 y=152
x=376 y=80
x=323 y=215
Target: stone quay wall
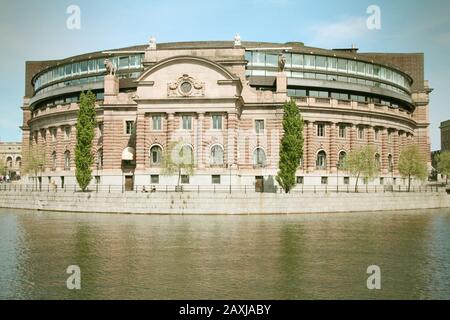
x=220 y=203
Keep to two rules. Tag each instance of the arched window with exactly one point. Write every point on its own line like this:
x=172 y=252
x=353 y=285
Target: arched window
x=390 y=163
x=67 y=160
x=378 y=161
x=9 y=162
x=100 y=158
x=155 y=155
x=187 y=154
x=18 y=162
x=216 y=155
x=321 y=161
x=54 y=160
x=259 y=157
x=342 y=157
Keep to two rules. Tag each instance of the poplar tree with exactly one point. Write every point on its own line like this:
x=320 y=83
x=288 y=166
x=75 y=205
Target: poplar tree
x=291 y=148
x=86 y=123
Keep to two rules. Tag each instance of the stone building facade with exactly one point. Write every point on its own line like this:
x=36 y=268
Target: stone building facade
x=221 y=102
x=445 y=136
x=11 y=156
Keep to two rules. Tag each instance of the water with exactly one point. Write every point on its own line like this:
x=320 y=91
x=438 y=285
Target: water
x=225 y=257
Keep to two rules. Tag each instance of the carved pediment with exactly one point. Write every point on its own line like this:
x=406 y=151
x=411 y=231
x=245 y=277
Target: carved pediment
x=186 y=86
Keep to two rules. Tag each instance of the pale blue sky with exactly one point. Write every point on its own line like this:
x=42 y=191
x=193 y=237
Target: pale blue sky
x=36 y=30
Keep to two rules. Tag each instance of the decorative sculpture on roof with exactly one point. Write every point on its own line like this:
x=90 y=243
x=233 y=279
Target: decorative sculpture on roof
x=152 y=43
x=282 y=62
x=110 y=67
x=237 y=40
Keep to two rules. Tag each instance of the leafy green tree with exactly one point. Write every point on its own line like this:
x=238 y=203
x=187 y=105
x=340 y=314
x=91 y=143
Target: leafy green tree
x=361 y=163
x=178 y=158
x=34 y=161
x=443 y=164
x=291 y=149
x=2 y=167
x=84 y=158
x=412 y=164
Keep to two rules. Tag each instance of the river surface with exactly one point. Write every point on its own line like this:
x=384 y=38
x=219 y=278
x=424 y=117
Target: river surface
x=322 y=256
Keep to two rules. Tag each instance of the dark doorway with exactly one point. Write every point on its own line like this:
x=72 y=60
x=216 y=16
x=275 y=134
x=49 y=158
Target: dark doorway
x=62 y=182
x=129 y=183
x=259 y=184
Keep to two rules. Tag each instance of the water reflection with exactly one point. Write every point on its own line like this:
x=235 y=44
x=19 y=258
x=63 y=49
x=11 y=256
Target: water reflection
x=223 y=257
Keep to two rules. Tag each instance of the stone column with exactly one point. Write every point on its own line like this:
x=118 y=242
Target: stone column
x=310 y=161
x=352 y=137
x=111 y=88
x=140 y=141
x=200 y=142
x=169 y=127
x=333 y=147
x=396 y=148
x=232 y=146
x=384 y=151
x=370 y=135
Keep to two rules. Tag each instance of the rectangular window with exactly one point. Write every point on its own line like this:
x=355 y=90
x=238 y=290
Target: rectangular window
x=157 y=123
x=123 y=62
x=100 y=130
x=67 y=132
x=215 y=179
x=300 y=180
x=321 y=130
x=332 y=64
x=185 y=179
x=324 y=180
x=217 y=122
x=361 y=68
x=271 y=60
x=129 y=127
x=347 y=180
x=53 y=134
x=154 y=179
x=310 y=62
x=360 y=133
x=342 y=131
x=84 y=67
x=381 y=181
x=321 y=62
x=342 y=65
x=187 y=122
x=352 y=68
x=297 y=60
x=259 y=58
x=377 y=134
x=259 y=126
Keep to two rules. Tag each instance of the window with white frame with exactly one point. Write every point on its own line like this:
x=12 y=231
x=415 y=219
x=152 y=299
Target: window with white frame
x=217 y=122
x=259 y=157
x=157 y=123
x=216 y=155
x=321 y=130
x=259 y=126
x=186 y=122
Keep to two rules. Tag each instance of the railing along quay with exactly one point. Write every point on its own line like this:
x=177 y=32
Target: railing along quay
x=144 y=189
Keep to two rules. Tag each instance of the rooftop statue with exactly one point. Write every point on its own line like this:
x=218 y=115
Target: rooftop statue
x=110 y=67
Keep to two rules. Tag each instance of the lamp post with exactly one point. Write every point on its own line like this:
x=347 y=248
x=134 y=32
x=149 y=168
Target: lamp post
x=40 y=180
x=97 y=178
x=229 y=167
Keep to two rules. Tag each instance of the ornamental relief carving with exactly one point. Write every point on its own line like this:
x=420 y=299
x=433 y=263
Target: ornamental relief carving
x=186 y=86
